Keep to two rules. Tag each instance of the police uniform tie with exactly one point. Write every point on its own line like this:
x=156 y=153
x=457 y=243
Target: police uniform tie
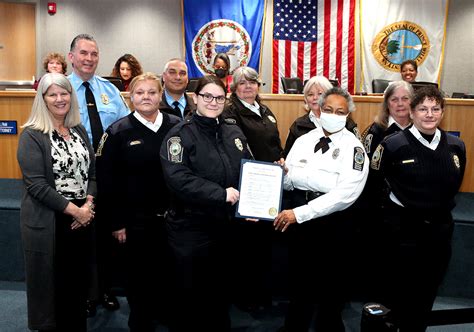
x=94 y=119
x=177 y=109
x=323 y=144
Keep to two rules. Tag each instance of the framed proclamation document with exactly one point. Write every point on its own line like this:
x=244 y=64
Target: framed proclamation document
x=261 y=190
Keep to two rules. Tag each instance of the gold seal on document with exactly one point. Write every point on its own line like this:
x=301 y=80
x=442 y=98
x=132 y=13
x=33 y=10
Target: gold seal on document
x=272 y=211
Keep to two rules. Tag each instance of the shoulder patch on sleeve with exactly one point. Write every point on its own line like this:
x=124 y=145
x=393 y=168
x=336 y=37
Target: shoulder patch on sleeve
x=368 y=142
x=101 y=144
x=230 y=121
x=359 y=159
x=356 y=132
x=377 y=158
x=175 y=149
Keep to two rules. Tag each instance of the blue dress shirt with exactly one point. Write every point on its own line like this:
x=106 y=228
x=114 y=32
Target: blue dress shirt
x=110 y=103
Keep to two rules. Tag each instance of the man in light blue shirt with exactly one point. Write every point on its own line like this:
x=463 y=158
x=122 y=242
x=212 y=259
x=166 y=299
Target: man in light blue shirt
x=84 y=56
x=107 y=105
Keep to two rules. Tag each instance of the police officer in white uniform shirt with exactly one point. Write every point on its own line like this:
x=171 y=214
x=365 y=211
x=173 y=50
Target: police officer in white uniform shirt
x=326 y=171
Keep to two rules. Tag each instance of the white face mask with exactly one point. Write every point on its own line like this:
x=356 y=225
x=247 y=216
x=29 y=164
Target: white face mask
x=332 y=123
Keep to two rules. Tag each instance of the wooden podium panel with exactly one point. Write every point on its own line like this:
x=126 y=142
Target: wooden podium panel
x=457 y=118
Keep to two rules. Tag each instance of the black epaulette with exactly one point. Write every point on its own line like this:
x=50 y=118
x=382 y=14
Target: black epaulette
x=396 y=140
x=120 y=125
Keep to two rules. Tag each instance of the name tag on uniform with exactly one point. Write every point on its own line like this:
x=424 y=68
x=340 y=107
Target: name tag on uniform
x=137 y=142
x=408 y=161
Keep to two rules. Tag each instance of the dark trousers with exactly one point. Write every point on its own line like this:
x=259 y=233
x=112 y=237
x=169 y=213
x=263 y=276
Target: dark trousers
x=148 y=271
x=251 y=262
x=417 y=253
x=319 y=257
x=200 y=257
x=71 y=264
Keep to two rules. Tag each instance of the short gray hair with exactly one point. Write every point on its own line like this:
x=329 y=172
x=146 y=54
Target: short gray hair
x=339 y=92
x=82 y=36
x=322 y=81
x=167 y=64
x=40 y=117
x=247 y=73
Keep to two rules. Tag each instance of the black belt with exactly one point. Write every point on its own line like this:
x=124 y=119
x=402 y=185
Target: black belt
x=301 y=197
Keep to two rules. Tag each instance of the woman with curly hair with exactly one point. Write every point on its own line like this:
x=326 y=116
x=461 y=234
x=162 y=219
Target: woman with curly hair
x=126 y=68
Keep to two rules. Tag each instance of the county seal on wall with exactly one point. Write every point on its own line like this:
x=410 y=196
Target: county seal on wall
x=221 y=36
x=398 y=42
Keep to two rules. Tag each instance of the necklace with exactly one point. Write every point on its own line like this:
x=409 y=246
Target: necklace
x=63 y=135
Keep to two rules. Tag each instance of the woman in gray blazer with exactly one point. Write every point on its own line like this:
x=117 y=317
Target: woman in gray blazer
x=57 y=162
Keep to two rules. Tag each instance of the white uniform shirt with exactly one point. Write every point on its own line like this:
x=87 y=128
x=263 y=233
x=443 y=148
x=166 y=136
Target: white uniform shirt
x=340 y=173
x=155 y=126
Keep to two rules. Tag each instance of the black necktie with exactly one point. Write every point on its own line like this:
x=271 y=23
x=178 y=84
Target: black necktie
x=323 y=144
x=177 y=109
x=94 y=119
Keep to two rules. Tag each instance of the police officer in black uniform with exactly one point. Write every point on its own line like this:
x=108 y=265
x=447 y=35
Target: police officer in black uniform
x=135 y=198
x=201 y=164
x=393 y=116
x=252 y=242
x=423 y=167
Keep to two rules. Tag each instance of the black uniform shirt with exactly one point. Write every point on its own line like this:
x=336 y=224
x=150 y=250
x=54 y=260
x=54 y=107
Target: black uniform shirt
x=129 y=175
x=419 y=177
x=261 y=131
x=201 y=158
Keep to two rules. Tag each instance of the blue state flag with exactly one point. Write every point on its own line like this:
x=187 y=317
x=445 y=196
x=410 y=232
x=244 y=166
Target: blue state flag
x=222 y=26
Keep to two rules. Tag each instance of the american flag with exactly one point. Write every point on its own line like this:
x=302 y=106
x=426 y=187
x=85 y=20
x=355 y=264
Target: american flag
x=313 y=37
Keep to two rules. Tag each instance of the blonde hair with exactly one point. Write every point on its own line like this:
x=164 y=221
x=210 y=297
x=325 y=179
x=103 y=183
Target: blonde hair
x=40 y=117
x=148 y=76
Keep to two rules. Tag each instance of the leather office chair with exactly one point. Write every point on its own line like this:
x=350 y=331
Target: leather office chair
x=418 y=85
x=115 y=81
x=192 y=85
x=458 y=95
x=334 y=82
x=292 y=85
x=379 y=85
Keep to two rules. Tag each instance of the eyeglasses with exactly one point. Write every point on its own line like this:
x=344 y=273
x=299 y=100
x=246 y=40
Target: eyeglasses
x=425 y=110
x=208 y=98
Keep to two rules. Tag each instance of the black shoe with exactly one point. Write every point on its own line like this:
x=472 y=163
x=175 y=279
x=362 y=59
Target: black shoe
x=110 y=302
x=91 y=308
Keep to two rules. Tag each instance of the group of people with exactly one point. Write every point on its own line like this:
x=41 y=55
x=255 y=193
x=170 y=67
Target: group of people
x=162 y=180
